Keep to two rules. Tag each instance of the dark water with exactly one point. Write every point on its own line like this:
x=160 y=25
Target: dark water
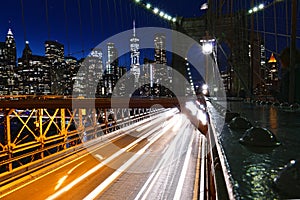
x=253 y=170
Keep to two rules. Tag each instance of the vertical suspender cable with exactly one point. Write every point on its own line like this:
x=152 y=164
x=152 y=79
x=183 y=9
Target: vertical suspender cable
x=126 y=11
x=109 y=22
x=47 y=18
x=130 y=12
x=251 y=51
x=293 y=52
x=101 y=21
x=67 y=26
x=92 y=21
x=275 y=27
x=116 y=15
x=121 y=14
x=287 y=22
x=23 y=20
x=80 y=23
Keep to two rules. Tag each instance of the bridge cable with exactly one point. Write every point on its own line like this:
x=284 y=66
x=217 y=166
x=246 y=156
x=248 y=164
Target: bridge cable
x=92 y=22
x=80 y=24
x=116 y=15
x=121 y=14
x=23 y=20
x=109 y=22
x=47 y=18
x=101 y=20
x=67 y=26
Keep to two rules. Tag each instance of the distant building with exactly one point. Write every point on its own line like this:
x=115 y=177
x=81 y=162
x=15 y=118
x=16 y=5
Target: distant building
x=227 y=77
x=112 y=59
x=135 y=56
x=272 y=78
x=54 y=53
x=111 y=74
x=162 y=72
x=8 y=58
x=34 y=73
x=72 y=69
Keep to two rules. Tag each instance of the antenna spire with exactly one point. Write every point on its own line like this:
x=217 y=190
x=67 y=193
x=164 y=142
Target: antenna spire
x=133 y=28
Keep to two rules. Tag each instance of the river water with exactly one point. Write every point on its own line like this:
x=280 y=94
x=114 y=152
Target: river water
x=253 y=171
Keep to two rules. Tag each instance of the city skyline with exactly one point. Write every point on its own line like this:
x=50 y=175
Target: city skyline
x=55 y=73
x=80 y=25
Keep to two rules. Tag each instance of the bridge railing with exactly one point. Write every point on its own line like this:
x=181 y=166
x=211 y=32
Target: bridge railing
x=31 y=134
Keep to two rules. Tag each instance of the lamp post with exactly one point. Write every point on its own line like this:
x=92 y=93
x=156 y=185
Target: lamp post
x=208 y=44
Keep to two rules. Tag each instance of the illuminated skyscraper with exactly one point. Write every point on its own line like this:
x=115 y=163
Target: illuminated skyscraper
x=54 y=51
x=112 y=59
x=8 y=82
x=11 y=51
x=160 y=49
x=135 y=56
x=162 y=72
x=111 y=75
x=272 y=80
x=34 y=73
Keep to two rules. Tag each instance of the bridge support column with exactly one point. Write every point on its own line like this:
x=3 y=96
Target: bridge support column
x=122 y=115
x=7 y=136
x=63 y=126
x=94 y=122
x=105 y=119
x=39 y=125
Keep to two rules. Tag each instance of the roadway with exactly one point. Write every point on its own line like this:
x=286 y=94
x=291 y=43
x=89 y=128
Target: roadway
x=150 y=160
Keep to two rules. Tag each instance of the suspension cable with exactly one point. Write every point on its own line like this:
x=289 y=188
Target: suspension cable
x=121 y=14
x=80 y=24
x=67 y=26
x=92 y=21
x=23 y=20
x=47 y=18
x=101 y=21
x=116 y=15
x=108 y=9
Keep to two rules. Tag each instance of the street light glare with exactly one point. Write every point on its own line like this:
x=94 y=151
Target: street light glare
x=207 y=48
x=204 y=87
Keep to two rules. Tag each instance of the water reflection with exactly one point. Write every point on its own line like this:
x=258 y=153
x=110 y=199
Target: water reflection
x=257 y=179
x=253 y=172
x=273 y=119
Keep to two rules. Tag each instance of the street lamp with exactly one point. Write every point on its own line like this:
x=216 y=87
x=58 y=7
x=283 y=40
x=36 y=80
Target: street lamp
x=207 y=44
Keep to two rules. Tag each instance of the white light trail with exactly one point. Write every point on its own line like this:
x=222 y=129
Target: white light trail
x=183 y=172
x=120 y=170
x=97 y=167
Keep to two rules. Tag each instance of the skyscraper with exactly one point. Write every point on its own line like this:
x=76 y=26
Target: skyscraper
x=162 y=72
x=135 y=56
x=112 y=59
x=54 y=53
x=8 y=82
x=160 y=49
x=272 y=73
x=34 y=73
x=11 y=51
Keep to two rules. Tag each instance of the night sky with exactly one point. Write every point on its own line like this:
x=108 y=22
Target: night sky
x=81 y=24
